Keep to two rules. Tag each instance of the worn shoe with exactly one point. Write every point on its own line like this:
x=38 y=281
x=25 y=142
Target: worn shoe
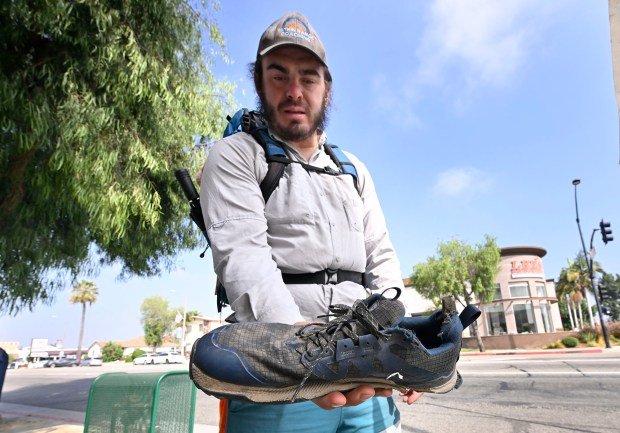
x=369 y=343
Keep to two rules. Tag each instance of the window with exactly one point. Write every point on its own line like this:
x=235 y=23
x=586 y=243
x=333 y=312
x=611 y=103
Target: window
x=541 y=290
x=496 y=319
x=524 y=318
x=520 y=290
x=545 y=311
x=498 y=293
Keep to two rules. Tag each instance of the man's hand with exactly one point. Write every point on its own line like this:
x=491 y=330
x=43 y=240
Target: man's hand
x=351 y=398
x=411 y=396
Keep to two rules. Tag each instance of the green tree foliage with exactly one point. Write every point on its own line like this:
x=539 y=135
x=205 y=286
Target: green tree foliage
x=189 y=315
x=84 y=292
x=612 y=281
x=573 y=284
x=99 y=102
x=136 y=353
x=157 y=320
x=460 y=270
x=111 y=352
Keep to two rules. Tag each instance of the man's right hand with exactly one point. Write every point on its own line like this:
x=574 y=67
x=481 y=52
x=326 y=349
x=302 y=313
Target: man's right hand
x=354 y=397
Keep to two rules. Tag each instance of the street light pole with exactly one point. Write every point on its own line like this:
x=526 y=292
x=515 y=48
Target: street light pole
x=577 y=182
x=589 y=263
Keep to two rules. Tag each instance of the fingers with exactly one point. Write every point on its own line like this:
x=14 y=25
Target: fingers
x=331 y=401
x=383 y=392
x=359 y=395
x=411 y=396
x=352 y=398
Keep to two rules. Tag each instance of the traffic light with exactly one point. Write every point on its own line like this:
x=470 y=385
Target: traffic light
x=606 y=231
x=604 y=293
x=606 y=310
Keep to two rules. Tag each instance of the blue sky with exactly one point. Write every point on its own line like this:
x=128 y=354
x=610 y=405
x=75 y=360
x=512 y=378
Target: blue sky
x=472 y=116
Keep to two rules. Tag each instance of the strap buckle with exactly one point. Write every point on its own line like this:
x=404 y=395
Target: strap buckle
x=331 y=276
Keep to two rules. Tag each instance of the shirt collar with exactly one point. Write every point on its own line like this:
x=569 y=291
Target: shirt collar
x=322 y=141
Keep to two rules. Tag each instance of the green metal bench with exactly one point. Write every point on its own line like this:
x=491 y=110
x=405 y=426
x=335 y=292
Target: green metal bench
x=141 y=403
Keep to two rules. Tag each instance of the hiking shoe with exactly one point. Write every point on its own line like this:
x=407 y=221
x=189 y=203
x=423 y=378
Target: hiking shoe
x=370 y=343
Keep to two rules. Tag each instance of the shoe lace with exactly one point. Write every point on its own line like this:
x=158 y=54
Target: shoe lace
x=344 y=325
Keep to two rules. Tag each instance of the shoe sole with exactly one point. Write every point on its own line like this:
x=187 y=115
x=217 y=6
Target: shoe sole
x=310 y=391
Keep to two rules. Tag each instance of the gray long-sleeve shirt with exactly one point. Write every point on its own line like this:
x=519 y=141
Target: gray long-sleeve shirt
x=311 y=222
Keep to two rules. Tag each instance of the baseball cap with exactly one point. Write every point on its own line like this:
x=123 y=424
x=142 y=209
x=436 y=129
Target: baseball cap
x=292 y=29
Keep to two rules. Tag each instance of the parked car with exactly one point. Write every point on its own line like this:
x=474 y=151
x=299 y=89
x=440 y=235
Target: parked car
x=18 y=363
x=95 y=362
x=145 y=358
x=171 y=358
x=150 y=358
x=61 y=362
x=92 y=362
x=175 y=358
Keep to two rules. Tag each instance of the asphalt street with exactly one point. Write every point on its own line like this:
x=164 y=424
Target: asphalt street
x=520 y=393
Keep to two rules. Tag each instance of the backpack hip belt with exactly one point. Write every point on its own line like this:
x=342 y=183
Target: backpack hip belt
x=327 y=276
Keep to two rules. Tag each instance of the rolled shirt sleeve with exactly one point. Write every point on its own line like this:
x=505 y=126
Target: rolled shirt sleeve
x=234 y=212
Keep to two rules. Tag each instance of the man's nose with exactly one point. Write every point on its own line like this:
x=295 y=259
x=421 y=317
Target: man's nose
x=294 y=90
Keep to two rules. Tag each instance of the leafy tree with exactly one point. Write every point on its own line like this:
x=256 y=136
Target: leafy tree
x=613 y=284
x=85 y=292
x=467 y=273
x=100 y=102
x=157 y=320
x=573 y=284
x=111 y=352
x=136 y=353
x=189 y=315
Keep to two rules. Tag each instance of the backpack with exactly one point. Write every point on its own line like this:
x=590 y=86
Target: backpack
x=252 y=122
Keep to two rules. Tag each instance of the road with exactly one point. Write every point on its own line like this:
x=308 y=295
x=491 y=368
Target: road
x=520 y=393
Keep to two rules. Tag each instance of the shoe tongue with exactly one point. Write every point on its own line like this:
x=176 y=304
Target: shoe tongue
x=387 y=312
x=383 y=312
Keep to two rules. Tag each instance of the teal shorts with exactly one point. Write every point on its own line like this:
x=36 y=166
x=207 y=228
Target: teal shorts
x=376 y=415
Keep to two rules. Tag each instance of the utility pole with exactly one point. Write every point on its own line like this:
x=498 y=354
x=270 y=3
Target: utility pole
x=589 y=261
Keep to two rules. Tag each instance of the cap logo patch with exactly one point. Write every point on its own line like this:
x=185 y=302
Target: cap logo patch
x=295 y=28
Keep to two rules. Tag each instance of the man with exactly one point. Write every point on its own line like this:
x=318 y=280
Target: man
x=312 y=223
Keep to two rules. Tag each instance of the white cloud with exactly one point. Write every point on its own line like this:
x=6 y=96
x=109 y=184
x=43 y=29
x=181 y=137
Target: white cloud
x=466 y=46
x=486 y=41
x=459 y=182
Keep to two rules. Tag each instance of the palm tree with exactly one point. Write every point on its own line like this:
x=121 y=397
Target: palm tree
x=566 y=288
x=84 y=292
x=574 y=283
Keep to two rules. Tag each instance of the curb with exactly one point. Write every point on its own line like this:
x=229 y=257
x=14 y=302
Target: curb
x=535 y=352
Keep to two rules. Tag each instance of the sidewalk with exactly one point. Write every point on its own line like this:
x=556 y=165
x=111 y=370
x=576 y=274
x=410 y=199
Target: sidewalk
x=17 y=418
x=538 y=351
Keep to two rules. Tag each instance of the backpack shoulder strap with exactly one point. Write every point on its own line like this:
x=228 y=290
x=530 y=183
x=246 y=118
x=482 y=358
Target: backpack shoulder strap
x=252 y=123
x=342 y=162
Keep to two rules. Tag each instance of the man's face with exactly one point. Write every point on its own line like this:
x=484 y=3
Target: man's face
x=294 y=94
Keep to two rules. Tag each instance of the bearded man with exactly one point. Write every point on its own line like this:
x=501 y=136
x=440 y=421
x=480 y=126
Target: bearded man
x=319 y=240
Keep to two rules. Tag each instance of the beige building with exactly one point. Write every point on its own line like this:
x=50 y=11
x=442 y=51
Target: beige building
x=525 y=301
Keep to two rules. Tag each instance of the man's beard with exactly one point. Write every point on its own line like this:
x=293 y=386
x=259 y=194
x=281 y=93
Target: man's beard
x=294 y=131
